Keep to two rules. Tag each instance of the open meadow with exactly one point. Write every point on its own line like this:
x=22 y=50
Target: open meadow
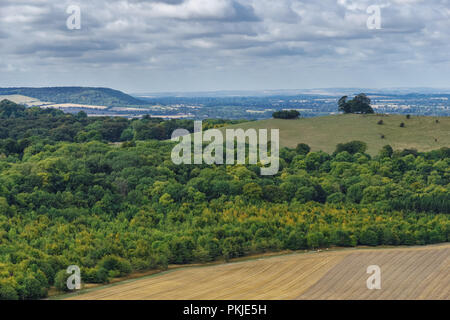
x=324 y=133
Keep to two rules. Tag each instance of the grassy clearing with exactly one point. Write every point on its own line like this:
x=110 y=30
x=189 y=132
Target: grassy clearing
x=324 y=133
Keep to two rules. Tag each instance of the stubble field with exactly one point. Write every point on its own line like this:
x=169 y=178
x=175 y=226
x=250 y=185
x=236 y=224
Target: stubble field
x=406 y=273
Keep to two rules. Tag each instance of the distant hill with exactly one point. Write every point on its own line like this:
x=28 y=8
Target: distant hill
x=80 y=95
x=324 y=133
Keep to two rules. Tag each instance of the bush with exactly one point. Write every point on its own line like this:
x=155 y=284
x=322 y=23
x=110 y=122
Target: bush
x=386 y=151
x=101 y=276
x=368 y=237
x=61 y=280
x=302 y=148
x=351 y=147
x=31 y=288
x=8 y=292
x=407 y=152
x=114 y=263
x=402 y=125
x=286 y=114
x=343 y=238
x=314 y=239
x=380 y=122
x=95 y=275
x=295 y=241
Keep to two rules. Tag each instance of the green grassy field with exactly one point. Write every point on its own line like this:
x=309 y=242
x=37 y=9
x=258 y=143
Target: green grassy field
x=324 y=133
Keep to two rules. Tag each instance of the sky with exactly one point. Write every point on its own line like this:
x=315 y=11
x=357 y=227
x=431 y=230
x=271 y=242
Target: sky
x=205 y=45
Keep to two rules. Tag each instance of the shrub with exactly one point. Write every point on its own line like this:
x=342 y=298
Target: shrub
x=343 y=238
x=286 y=114
x=114 y=263
x=314 y=239
x=380 y=122
x=407 y=152
x=402 y=125
x=101 y=276
x=7 y=292
x=295 y=241
x=31 y=288
x=302 y=148
x=351 y=147
x=386 y=151
x=368 y=237
x=61 y=280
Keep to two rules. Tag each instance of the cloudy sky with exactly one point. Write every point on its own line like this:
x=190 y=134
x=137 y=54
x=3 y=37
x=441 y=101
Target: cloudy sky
x=205 y=45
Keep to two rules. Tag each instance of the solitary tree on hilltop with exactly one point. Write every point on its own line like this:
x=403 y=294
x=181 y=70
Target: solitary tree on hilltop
x=359 y=104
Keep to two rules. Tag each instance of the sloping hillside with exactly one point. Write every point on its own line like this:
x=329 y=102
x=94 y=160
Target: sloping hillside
x=324 y=133
x=79 y=95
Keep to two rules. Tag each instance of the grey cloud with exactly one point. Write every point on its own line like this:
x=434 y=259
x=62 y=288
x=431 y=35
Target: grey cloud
x=209 y=36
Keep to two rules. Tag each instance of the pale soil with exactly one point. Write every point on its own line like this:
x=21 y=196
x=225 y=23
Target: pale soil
x=406 y=273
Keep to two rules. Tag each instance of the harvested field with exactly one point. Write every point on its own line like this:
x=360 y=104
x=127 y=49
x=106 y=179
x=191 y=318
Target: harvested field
x=421 y=273
x=406 y=273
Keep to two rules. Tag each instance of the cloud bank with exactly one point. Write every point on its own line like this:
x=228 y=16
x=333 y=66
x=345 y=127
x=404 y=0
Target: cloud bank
x=177 y=45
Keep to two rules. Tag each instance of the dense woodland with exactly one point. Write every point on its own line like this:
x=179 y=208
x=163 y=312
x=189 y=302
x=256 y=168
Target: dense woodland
x=69 y=196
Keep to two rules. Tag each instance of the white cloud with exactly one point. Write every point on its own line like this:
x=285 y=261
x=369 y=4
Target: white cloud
x=213 y=37
x=193 y=9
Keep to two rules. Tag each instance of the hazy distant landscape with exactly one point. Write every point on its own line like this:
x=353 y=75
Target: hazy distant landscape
x=229 y=105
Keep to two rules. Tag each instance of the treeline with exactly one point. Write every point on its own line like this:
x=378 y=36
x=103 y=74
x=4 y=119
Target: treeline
x=20 y=125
